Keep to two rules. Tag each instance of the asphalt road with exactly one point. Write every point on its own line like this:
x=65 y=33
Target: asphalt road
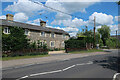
x=99 y=66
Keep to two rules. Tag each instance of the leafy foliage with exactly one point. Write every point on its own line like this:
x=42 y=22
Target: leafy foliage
x=118 y=2
x=16 y=40
x=17 y=44
x=105 y=33
x=111 y=42
x=74 y=44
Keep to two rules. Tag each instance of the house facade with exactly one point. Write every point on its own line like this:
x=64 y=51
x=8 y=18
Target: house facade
x=54 y=38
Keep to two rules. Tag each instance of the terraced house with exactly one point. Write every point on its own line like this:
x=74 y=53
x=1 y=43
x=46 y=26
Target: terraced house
x=54 y=38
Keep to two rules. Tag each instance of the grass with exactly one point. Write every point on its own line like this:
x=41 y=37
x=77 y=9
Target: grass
x=23 y=57
x=86 y=51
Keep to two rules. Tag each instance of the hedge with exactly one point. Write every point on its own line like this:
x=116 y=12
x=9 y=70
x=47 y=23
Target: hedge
x=77 y=44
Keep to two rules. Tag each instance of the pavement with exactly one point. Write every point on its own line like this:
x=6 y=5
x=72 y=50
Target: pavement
x=92 y=66
x=54 y=57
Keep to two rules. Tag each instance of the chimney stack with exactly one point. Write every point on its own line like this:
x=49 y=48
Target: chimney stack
x=42 y=23
x=9 y=17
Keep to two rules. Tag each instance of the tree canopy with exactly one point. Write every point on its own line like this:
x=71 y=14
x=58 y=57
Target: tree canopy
x=104 y=32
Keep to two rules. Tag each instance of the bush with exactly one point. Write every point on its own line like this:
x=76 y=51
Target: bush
x=44 y=46
x=111 y=42
x=75 y=44
x=14 y=41
x=33 y=45
x=4 y=55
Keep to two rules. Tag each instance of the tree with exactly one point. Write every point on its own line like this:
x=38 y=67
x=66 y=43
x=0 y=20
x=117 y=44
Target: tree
x=16 y=40
x=118 y=2
x=111 y=42
x=105 y=33
x=85 y=33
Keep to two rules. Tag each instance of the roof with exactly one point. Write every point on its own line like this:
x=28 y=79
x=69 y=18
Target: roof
x=5 y=22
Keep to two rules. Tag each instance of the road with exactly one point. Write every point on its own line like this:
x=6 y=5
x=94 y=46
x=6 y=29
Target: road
x=99 y=66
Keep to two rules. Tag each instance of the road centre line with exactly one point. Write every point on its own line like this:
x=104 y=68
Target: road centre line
x=68 y=67
x=22 y=78
x=43 y=73
x=46 y=73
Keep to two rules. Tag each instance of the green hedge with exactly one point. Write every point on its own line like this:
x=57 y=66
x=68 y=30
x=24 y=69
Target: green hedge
x=75 y=44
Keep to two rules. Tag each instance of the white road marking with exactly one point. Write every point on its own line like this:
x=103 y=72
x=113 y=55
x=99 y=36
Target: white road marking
x=22 y=78
x=66 y=59
x=45 y=73
x=80 y=64
x=90 y=62
x=68 y=68
x=115 y=75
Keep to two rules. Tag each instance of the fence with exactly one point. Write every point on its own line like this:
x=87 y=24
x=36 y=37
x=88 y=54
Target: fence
x=26 y=52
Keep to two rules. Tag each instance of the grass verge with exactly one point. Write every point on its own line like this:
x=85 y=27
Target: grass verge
x=86 y=51
x=23 y=57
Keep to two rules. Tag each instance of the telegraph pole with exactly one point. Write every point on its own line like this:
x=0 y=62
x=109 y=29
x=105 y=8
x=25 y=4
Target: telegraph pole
x=116 y=38
x=94 y=28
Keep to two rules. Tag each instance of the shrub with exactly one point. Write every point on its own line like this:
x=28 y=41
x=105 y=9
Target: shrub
x=14 y=41
x=33 y=45
x=75 y=44
x=4 y=55
x=111 y=42
x=44 y=46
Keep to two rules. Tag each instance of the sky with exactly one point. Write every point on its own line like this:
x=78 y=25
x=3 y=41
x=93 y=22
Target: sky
x=70 y=16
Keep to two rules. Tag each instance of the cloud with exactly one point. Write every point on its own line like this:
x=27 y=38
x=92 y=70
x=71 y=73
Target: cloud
x=34 y=22
x=3 y=17
x=71 y=30
x=117 y=18
x=24 y=6
x=20 y=17
x=70 y=6
x=113 y=29
x=102 y=18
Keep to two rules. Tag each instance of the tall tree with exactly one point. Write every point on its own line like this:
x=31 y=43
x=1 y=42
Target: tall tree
x=105 y=33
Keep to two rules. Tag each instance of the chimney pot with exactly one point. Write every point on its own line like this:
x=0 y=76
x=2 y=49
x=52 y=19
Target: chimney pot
x=9 y=17
x=42 y=23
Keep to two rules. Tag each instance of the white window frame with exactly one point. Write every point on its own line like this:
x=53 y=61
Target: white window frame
x=53 y=36
x=28 y=33
x=8 y=30
x=43 y=35
x=51 y=42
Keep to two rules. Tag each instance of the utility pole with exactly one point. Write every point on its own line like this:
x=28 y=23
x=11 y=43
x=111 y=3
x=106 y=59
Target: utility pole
x=116 y=38
x=94 y=28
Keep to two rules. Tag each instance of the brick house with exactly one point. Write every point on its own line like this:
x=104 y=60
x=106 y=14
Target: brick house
x=54 y=38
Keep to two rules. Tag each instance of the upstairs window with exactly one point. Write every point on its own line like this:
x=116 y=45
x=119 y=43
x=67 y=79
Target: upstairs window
x=64 y=36
x=26 y=32
x=6 y=30
x=52 y=35
x=43 y=34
